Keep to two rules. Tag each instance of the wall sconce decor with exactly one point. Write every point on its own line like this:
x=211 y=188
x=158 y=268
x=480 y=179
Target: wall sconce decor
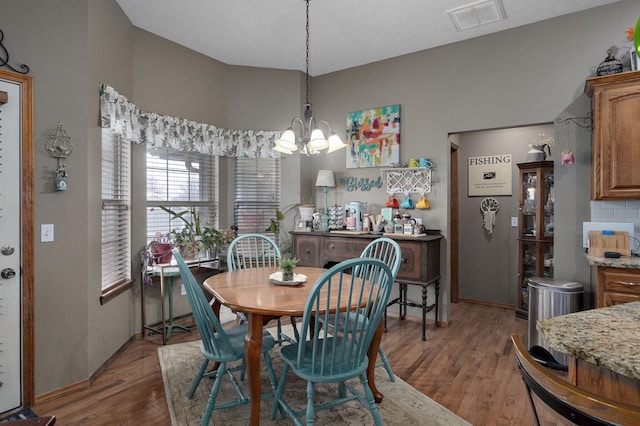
x=59 y=146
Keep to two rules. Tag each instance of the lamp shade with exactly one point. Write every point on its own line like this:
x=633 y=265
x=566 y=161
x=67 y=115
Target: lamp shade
x=318 y=141
x=287 y=141
x=335 y=143
x=325 y=178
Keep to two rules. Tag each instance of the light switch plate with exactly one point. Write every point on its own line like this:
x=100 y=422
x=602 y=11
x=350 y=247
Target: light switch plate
x=183 y=291
x=46 y=232
x=514 y=222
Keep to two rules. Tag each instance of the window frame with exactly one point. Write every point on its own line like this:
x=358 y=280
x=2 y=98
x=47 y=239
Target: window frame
x=206 y=196
x=116 y=275
x=254 y=189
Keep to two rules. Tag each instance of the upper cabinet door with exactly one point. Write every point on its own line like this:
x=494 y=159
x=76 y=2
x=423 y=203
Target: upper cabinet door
x=615 y=101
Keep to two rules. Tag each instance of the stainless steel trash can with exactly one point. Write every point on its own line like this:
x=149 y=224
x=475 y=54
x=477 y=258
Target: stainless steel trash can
x=549 y=297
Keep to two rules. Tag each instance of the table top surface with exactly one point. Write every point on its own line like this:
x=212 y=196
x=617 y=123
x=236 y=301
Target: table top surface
x=251 y=291
x=608 y=337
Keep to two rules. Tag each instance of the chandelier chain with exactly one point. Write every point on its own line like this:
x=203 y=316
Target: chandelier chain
x=307 y=57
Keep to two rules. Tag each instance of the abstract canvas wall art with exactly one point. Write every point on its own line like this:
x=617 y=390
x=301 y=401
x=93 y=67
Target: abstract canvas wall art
x=373 y=137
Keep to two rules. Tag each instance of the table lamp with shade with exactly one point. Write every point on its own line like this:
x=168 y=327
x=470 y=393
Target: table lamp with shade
x=326 y=180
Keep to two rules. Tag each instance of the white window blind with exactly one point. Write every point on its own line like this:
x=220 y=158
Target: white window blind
x=257 y=194
x=116 y=241
x=180 y=180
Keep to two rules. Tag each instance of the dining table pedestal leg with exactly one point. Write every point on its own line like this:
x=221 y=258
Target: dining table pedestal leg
x=253 y=350
x=372 y=354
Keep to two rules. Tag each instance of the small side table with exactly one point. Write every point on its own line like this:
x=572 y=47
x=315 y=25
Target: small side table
x=170 y=271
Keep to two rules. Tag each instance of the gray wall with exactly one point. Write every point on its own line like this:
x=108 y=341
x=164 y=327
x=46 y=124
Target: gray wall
x=526 y=75
x=573 y=191
x=513 y=78
x=489 y=262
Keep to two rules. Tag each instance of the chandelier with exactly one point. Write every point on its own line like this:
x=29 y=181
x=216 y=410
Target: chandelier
x=311 y=139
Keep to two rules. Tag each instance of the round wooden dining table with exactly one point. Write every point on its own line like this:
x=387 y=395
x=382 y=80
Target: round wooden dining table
x=250 y=291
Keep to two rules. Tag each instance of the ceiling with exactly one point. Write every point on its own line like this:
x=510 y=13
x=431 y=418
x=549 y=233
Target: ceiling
x=343 y=33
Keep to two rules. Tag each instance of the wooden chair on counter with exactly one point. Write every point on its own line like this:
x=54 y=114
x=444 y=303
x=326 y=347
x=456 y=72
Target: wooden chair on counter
x=572 y=403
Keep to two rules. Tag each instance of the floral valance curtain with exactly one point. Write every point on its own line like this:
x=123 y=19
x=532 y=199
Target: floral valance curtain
x=140 y=127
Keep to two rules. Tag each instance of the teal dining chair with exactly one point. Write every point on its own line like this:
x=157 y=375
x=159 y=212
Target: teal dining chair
x=318 y=356
x=253 y=251
x=389 y=252
x=219 y=345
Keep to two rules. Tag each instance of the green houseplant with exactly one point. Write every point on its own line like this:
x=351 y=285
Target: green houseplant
x=287 y=265
x=188 y=238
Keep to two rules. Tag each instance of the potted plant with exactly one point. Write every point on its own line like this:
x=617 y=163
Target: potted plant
x=188 y=238
x=287 y=265
x=210 y=238
x=161 y=248
x=275 y=227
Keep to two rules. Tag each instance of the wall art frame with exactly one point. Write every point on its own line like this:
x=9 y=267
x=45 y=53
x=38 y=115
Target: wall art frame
x=373 y=137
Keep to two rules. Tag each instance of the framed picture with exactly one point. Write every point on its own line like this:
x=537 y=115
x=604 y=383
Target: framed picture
x=373 y=137
x=490 y=175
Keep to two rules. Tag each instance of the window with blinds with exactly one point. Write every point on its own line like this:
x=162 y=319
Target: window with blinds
x=116 y=240
x=257 y=194
x=179 y=181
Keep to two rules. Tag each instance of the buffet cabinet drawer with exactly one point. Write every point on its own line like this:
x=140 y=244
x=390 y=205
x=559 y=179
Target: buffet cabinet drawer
x=307 y=250
x=411 y=264
x=337 y=249
x=618 y=285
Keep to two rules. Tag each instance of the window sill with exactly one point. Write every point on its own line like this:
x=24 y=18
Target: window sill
x=115 y=290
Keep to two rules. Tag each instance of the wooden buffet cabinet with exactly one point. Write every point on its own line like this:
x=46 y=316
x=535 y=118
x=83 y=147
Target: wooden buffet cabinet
x=615 y=102
x=420 y=261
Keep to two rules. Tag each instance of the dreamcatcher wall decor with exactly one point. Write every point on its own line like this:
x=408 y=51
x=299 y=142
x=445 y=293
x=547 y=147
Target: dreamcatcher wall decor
x=489 y=208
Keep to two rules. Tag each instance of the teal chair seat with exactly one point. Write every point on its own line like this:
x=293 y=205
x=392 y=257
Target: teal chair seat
x=309 y=366
x=319 y=357
x=219 y=345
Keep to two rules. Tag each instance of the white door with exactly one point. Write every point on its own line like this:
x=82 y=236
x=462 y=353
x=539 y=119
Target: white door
x=11 y=336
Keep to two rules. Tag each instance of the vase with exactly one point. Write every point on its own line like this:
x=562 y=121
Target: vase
x=287 y=275
x=161 y=253
x=306 y=212
x=189 y=251
x=535 y=154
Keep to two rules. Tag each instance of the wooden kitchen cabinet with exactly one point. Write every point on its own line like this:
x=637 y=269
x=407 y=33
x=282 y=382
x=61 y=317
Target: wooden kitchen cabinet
x=617 y=286
x=615 y=103
x=535 y=227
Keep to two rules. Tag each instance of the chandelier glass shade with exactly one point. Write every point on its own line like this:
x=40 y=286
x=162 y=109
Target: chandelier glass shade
x=311 y=139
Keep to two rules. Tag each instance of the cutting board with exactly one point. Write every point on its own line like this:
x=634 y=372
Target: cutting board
x=618 y=242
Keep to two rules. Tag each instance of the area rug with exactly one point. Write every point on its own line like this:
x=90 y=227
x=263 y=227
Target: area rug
x=402 y=404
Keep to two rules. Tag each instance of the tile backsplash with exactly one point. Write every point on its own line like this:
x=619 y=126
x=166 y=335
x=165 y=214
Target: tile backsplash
x=627 y=211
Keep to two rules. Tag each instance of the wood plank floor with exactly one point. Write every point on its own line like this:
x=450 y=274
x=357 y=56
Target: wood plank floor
x=468 y=367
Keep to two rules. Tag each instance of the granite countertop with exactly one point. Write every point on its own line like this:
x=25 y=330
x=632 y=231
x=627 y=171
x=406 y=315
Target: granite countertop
x=608 y=337
x=621 y=262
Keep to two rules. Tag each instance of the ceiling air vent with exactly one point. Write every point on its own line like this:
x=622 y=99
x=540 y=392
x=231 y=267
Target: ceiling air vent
x=476 y=14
